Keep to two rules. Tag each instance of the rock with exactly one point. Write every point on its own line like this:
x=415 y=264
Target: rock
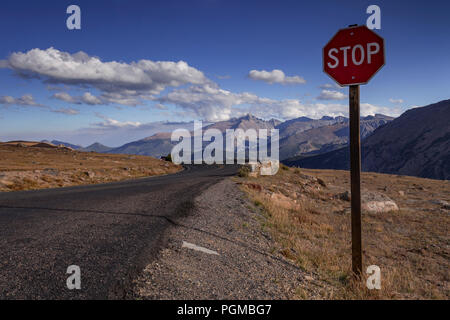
x=345 y=196
x=321 y=182
x=377 y=203
x=267 y=167
x=89 y=174
x=402 y=193
x=254 y=186
x=444 y=204
x=380 y=206
x=51 y=171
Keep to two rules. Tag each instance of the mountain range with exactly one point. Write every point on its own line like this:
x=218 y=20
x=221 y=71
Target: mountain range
x=96 y=147
x=417 y=143
x=297 y=136
x=305 y=136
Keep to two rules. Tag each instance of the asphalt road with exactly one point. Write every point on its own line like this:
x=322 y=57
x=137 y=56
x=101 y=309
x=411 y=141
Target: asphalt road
x=111 y=231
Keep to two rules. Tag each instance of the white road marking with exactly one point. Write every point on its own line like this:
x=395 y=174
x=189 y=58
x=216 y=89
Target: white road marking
x=198 y=248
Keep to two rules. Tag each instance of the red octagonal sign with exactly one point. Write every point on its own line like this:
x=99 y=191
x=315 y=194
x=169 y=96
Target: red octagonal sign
x=353 y=55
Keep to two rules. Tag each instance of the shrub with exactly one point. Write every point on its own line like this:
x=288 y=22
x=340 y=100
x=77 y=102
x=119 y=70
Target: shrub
x=244 y=171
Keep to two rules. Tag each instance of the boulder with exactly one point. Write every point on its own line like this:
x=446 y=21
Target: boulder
x=377 y=203
x=266 y=167
x=344 y=196
x=442 y=203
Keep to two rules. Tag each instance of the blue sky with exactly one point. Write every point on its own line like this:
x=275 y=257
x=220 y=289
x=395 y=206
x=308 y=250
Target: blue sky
x=51 y=93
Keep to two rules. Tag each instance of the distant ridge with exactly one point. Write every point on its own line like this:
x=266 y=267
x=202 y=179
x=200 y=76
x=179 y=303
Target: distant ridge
x=303 y=136
x=246 y=122
x=156 y=145
x=417 y=143
x=328 y=133
x=57 y=143
x=97 y=147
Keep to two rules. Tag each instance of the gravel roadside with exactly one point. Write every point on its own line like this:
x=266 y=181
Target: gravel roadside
x=240 y=262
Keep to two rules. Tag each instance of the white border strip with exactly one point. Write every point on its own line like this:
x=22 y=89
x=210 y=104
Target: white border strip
x=198 y=248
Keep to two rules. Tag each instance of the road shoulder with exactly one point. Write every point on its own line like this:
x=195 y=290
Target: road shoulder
x=220 y=251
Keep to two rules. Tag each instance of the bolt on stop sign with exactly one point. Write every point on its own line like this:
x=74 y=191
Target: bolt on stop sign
x=353 y=55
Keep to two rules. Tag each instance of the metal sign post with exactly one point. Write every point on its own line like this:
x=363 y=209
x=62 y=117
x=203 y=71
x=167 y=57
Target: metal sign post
x=351 y=58
x=355 y=174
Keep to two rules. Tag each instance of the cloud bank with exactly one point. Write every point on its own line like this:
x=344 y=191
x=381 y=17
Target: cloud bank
x=330 y=86
x=331 y=95
x=26 y=100
x=275 y=76
x=396 y=101
x=166 y=84
x=212 y=103
x=118 y=82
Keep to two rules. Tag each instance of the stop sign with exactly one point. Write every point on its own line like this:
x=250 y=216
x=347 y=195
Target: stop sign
x=353 y=55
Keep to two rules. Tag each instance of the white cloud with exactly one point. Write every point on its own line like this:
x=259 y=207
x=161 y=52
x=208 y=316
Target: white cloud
x=331 y=95
x=25 y=100
x=67 y=111
x=104 y=99
x=128 y=98
x=109 y=123
x=275 y=76
x=208 y=102
x=370 y=109
x=330 y=86
x=63 y=96
x=131 y=83
x=90 y=99
x=160 y=106
x=118 y=82
x=214 y=104
x=396 y=101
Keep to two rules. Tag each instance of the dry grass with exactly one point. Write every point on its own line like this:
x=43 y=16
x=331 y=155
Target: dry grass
x=311 y=226
x=27 y=168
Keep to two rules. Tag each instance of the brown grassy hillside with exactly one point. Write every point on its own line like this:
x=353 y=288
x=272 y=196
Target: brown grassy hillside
x=307 y=212
x=26 y=166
